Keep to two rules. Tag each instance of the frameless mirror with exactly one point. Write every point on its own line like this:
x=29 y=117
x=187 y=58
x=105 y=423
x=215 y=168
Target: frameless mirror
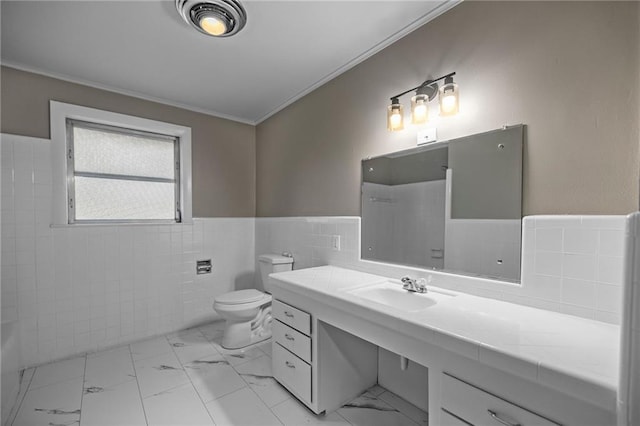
x=454 y=206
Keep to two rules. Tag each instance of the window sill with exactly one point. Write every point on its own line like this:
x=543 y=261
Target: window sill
x=99 y=225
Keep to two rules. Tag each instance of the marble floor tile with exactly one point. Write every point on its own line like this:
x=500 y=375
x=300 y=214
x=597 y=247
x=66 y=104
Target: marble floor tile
x=186 y=379
x=405 y=407
x=177 y=406
x=293 y=413
x=237 y=356
x=257 y=373
x=369 y=410
x=376 y=390
x=25 y=381
x=265 y=347
x=56 y=404
x=55 y=372
x=242 y=407
x=113 y=405
x=213 y=330
x=190 y=352
x=158 y=374
x=213 y=377
x=150 y=348
x=108 y=368
x=187 y=337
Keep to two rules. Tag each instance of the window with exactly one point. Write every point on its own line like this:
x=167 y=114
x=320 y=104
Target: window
x=117 y=174
x=118 y=168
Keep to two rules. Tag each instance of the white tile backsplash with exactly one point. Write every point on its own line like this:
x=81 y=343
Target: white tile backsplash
x=581 y=254
x=571 y=264
x=80 y=289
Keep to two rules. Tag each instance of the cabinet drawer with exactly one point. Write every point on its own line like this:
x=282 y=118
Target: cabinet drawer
x=291 y=316
x=292 y=372
x=477 y=407
x=448 y=419
x=293 y=340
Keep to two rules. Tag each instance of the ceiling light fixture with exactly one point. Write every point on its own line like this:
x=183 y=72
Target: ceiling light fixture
x=216 y=18
x=427 y=91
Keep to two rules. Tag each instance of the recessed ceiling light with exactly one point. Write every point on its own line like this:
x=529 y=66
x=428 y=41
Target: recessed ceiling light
x=217 y=18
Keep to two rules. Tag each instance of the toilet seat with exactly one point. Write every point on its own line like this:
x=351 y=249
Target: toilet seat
x=240 y=296
x=244 y=300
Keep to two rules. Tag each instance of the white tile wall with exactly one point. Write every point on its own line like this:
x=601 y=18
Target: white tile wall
x=579 y=260
x=83 y=288
x=578 y=274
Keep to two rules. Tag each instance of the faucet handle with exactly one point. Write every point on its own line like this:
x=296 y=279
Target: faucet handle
x=421 y=285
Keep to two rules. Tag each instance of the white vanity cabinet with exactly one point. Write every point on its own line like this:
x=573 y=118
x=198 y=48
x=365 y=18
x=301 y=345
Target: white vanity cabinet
x=292 y=349
x=324 y=367
x=463 y=403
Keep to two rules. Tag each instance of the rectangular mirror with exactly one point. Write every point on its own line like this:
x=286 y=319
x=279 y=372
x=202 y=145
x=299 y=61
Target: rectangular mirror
x=454 y=206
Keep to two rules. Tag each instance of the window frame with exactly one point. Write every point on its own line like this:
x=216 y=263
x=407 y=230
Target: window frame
x=62 y=114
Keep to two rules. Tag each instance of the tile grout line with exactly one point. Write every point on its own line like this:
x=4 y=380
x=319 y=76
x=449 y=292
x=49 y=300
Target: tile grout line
x=22 y=399
x=189 y=377
x=84 y=374
x=256 y=393
x=144 y=411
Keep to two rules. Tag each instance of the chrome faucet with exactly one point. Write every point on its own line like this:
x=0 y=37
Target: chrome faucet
x=414 y=285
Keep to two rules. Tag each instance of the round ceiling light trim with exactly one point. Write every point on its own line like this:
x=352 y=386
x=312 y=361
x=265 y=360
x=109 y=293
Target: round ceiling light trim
x=215 y=18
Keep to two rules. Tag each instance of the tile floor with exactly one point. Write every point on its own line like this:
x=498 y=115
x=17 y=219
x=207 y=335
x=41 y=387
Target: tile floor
x=185 y=378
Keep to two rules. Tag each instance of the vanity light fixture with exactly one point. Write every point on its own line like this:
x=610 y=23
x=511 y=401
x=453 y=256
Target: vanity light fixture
x=427 y=91
x=216 y=18
x=395 y=115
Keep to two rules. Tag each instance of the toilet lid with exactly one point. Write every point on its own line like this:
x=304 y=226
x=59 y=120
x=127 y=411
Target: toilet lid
x=240 y=296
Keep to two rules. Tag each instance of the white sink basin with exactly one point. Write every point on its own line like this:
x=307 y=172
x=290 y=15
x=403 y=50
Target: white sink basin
x=391 y=293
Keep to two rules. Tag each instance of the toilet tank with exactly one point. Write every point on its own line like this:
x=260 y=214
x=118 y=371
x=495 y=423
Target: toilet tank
x=270 y=263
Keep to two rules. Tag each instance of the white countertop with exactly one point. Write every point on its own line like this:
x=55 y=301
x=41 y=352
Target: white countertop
x=574 y=355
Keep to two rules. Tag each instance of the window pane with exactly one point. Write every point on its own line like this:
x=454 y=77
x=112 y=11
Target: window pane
x=113 y=199
x=113 y=153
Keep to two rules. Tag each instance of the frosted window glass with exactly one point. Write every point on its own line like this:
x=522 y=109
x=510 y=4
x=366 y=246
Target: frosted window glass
x=122 y=154
x=113 y=199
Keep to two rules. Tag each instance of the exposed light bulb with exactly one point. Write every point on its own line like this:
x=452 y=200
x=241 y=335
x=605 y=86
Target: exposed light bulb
x=419 y=110
x=449 y=98
x=449 y=102
x=213 y=25
x=396 y=119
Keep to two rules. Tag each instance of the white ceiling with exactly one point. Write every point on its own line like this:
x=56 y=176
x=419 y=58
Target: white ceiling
x=143 y=48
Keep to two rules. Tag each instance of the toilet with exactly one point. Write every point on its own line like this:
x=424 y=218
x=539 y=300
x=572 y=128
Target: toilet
x=248 y=312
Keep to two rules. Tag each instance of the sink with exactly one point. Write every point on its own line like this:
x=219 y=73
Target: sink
x=391 y=293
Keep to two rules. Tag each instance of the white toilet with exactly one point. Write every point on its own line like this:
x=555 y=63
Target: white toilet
x=248 y=312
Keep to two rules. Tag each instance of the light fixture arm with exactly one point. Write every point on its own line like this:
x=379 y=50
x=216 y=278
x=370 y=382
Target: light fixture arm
x=424 y=84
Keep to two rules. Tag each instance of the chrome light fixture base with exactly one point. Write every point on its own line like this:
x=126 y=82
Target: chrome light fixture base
x=228 y=15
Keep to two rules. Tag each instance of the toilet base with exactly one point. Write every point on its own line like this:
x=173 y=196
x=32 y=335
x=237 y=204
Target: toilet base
x=240 y=334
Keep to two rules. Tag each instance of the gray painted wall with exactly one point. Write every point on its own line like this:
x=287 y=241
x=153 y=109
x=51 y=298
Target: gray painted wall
x=568 y=70
x=223 y=151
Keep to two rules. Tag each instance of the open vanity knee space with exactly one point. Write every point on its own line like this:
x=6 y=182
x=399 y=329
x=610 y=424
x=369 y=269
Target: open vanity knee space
x=539 y=367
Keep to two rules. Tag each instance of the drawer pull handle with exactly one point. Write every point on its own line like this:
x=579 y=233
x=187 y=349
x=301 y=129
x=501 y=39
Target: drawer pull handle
x=288 y=364
x=497 y=418
x=287 y=314
x=288 y=337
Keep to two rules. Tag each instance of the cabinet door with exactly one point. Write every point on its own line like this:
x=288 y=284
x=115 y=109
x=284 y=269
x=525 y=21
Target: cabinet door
x=478 y=407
